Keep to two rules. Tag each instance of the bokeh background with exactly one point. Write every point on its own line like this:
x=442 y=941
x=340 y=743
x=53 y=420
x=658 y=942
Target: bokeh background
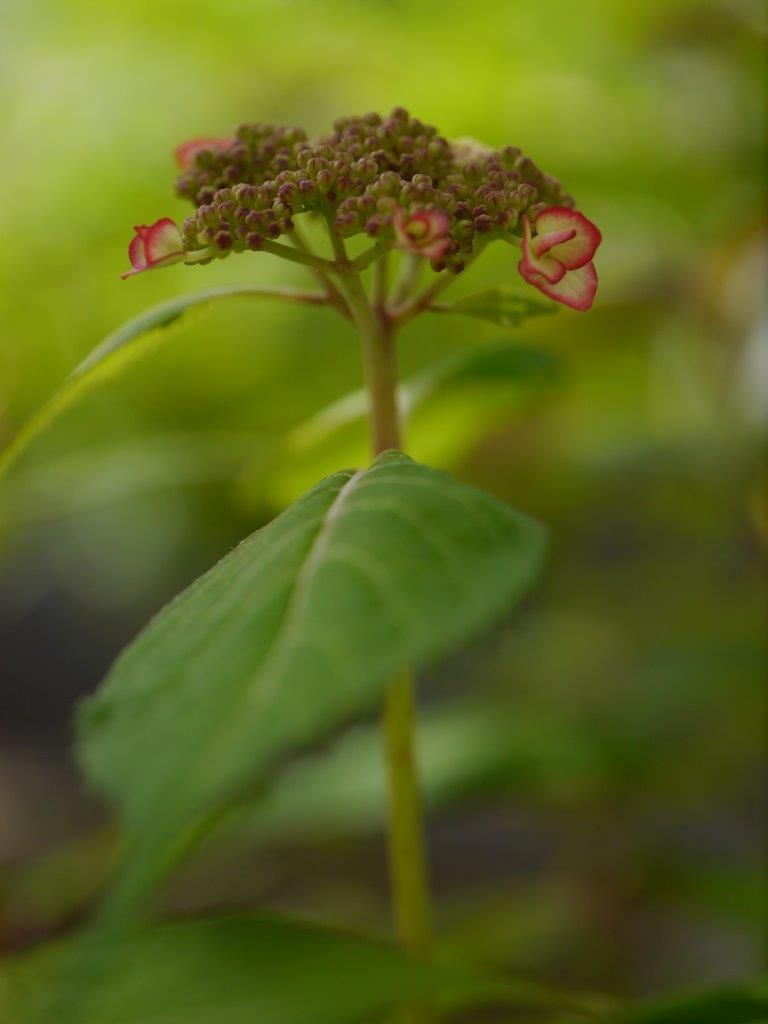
x=594 y=766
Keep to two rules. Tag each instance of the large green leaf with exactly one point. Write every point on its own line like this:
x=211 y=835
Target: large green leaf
x=342 y=790
x=504 y=305
x=119 y=349
x=245 y=969
x=743 y=1004
x=296 y=631
x=105 y=474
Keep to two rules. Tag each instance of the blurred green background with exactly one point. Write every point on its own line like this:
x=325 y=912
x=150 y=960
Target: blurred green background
x=595 y=766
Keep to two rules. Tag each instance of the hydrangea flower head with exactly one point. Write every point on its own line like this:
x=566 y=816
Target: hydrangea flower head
x=393 y=178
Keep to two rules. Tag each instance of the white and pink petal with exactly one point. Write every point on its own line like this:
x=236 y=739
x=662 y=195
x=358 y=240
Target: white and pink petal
x=162 y=240
x=567 y=235
x=533 y=265
x=577 y=288
x=425 y=232
x=155 y=245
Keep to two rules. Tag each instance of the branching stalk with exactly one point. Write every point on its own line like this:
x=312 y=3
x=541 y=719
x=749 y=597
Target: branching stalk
x=409 y=272
x=298 y=256
x=407 y=852
x=335 y=298
x=405 y=311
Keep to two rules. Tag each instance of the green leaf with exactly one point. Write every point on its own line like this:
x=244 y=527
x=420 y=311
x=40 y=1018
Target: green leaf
x=121 y=348
x=505 y=306
x=342 y=790
x=742 y=1004
x=296 y=631
x=229 y=970
x=106 y=474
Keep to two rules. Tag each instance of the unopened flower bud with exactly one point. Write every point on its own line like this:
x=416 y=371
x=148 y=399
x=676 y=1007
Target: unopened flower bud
x=287 y=191
x=463 y=229
x=483 y=222
x=324 y=180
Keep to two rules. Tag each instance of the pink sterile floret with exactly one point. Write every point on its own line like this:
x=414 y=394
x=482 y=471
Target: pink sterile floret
x=425 y=233
x=186 y=152
x=558 y=258
x=158 y=245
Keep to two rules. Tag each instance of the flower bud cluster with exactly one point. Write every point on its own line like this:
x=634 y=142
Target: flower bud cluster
x=368 y=173
x=257 y=153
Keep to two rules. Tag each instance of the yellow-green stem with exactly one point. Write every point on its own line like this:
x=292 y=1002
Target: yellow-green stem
x=407 y=851
x=407 y=855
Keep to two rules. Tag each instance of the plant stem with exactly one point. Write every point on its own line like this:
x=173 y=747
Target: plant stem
x=298 y=256
x=401 y=313
x=407 y=852
x=380 y=365
x=365 y=259
x=380 y=284
x=409 y=272
x=407 y=855
x=335 y=298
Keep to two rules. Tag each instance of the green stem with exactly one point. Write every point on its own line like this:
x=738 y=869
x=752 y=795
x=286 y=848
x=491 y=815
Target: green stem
x=335 y=298
x=402 y=313
x=380 y=284
x=407 y=852
x=365 y=259
x=408 y=275
x=297 y=256
x=380 y=365
x=408 y=310
x=407 y=855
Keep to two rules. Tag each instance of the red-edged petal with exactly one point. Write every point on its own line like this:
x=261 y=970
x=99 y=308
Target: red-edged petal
x=137 y=253
x=437 y=224
x=425 y=233
x=185 y=153
x=541 y=244
x=162 y=240
x=156 y=245
x=532 y=267
x=574 y=249
x=437 y=249
x=576 y=288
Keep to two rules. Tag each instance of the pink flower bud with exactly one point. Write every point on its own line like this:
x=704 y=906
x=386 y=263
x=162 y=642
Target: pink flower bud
x=158 y=245
x=558 y=259
x=425 y=233
x=186 y=152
